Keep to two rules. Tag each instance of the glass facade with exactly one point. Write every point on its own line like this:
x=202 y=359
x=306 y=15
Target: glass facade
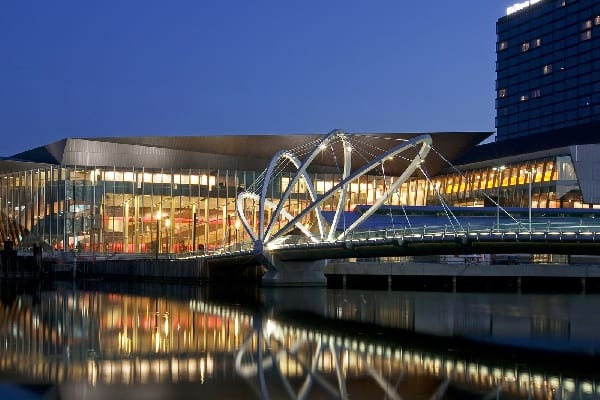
x=158 y=211
x=553 y=185
x=548 y=68
x=109 y=210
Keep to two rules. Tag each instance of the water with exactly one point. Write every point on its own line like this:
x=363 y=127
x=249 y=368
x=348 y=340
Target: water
x=119 y=340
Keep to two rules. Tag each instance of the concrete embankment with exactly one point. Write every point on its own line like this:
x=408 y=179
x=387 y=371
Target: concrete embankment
x=464 y=277
x=366 y=275
x=193 y=270
x=413 y=275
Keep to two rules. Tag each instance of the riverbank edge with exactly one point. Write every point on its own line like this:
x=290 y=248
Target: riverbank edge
x=560 y=278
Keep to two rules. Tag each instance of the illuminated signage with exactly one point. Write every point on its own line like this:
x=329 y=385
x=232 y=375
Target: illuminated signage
x=519 y=6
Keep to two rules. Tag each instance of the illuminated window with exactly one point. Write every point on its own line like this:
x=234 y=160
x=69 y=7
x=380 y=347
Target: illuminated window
x=502 y=45
x=586 y=35
x=536 y=93
x=586 y=24
x=525 y=47
x=547 y=69
x=537 y=42
x=524 y=97
x=501 y=93
x=597 y=20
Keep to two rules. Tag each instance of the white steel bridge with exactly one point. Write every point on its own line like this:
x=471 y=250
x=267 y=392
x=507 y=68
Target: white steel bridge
x=293 y=242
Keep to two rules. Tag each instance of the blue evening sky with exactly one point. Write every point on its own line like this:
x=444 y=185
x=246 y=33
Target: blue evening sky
x=73 y=68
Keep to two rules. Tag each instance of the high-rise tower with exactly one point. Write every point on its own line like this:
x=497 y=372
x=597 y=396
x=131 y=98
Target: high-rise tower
x=548 y=70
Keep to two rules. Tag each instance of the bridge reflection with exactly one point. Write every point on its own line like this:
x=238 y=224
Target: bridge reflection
x=319 y=342
x=302 y=351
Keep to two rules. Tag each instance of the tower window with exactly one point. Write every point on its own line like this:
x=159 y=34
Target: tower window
x=586 y=35
x=501 y=93
x=524 y=97
x=502 y=45
x=525 y=47
x=536 y=93
x=597 y=20
x=547 y=69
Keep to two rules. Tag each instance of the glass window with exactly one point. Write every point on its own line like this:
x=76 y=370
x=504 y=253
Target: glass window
x=586 y=24
x=525 y=47
x=536 y=93
x=502 y=45
x=524 y=97
x=547 y=69
x=565 y=168
x=501 y=93
x=585 y=35
x=597 y=20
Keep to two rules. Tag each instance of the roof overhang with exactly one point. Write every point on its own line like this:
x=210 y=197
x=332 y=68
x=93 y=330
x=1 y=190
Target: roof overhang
x=233 y=152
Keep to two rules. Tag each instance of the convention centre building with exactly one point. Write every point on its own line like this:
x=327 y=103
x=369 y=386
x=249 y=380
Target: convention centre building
x=170 y=194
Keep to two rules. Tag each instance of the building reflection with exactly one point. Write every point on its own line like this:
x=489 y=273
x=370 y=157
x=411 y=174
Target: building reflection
x=107 y=339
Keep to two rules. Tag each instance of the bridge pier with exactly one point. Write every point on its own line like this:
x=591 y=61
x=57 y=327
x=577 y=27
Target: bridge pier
x=294 y=273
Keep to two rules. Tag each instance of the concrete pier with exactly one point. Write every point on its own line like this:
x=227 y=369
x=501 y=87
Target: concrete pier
x=295 y=273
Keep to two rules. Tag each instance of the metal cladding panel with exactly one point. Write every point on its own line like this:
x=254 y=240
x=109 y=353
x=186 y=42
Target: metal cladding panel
x=242 y=152
x=94 y=153
x=586 y=160
x=450 y=144
x=8 y=166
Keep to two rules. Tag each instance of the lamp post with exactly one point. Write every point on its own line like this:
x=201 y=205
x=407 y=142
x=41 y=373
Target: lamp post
x=157 y=238
x=229 y=232
x=529 y=174
x=167 y=236
x=499 y=170
x=237 y=228
x=530 y=179
x=157 y=244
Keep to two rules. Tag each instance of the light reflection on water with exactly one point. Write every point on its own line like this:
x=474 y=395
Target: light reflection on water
x=111 y=340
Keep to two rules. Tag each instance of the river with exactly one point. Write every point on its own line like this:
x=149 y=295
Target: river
x=97 y=340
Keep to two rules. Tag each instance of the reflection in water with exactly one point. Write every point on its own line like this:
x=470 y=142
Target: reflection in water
x=299 y=343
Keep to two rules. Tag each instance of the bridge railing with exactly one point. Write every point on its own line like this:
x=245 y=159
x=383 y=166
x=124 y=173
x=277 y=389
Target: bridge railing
x=442 y=231
x=508 y=231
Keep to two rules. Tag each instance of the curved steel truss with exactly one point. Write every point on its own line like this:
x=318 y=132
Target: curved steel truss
x=282 y=219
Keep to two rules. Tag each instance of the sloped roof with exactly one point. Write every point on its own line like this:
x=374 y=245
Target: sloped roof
x=234 y=152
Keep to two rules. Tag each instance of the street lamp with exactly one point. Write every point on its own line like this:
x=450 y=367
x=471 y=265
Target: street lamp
x=157 y=243
x=530 y=180
x=237 y=228
x=499 y=169
x=529 y=174
x=167 y=236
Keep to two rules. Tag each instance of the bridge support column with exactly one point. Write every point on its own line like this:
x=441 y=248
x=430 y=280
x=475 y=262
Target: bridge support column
x=294 y=273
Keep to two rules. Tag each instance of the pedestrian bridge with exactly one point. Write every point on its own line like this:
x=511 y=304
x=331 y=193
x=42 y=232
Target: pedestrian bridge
x=297 y=261
x=294 y=242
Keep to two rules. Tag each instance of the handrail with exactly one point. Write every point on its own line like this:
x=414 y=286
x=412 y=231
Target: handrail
x=555 y=231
